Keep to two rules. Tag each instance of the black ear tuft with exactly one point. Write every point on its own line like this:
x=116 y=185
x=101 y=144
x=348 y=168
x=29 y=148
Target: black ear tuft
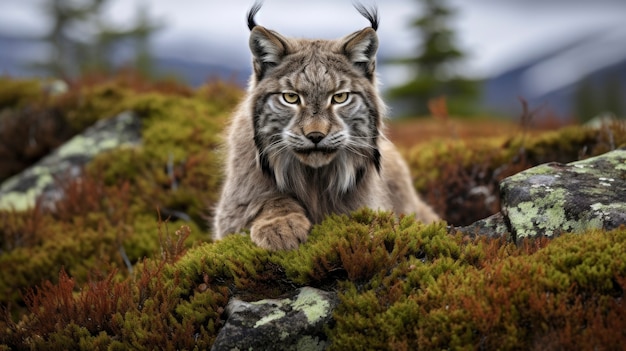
x=370 y=13
x=252 y=12
x=267 y=46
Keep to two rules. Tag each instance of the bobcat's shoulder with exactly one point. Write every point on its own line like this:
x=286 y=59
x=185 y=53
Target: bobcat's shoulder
x=307 y=140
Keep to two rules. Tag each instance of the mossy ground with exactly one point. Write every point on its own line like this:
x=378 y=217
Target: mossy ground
x=102 y=271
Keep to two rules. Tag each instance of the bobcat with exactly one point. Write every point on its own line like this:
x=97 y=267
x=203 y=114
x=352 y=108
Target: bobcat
x=308 y=139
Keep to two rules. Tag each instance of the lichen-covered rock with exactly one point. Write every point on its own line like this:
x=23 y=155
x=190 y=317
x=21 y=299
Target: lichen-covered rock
x=493 y=226
x=555 y=198
x=293 y=323
x=22 y=190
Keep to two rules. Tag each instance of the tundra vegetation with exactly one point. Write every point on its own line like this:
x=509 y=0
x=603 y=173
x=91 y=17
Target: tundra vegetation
x=64 y=282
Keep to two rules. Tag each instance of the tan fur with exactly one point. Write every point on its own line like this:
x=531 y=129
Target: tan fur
x=316 y=125
x=290 y=164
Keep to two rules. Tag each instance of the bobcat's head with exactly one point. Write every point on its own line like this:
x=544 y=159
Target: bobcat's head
x=315 y=102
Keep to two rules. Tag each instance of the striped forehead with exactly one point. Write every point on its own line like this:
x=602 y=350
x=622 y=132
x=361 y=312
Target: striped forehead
x=317 y=72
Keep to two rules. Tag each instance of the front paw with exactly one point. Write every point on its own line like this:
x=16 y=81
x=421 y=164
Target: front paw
x=280 y=233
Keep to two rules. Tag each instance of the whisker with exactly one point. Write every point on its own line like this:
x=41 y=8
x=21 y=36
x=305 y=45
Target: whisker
x=362 y=137
x=275 y=147
x=355 y=151
x=360 y=145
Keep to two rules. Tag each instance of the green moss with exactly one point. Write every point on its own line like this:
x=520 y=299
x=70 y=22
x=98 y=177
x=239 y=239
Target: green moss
x=419 y=287
x=427 y=161
x=87 y=243
x=460 y=177
x=564 y=145
x=402 y=284
x=86 y=105
x=179 y=130
x=360 y=247
x=18 y=93
x=506 y=303
x=190 y=151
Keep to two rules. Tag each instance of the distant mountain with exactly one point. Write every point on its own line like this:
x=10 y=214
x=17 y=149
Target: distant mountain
x=12 y=52
x=601 y=90
x=17 y=53
x=195 y=73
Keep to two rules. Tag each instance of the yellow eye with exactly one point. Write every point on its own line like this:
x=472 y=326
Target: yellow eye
x=291 y=98
x=340 y=98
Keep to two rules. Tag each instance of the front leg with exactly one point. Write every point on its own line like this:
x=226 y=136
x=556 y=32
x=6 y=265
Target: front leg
x=280 y=225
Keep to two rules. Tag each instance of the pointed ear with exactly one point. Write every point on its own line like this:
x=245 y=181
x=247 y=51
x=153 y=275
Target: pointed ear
x=360 y=48
x=268 y=49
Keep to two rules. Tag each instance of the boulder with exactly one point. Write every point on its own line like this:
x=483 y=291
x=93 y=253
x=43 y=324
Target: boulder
x=294 y=323
x=494 y=226
x=38 y=181
x=555 y=198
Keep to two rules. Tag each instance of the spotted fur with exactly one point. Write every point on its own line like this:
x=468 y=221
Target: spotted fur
x=307 y=140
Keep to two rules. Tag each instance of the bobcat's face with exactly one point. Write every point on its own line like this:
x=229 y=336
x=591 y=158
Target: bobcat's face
x=315 y=102
x=315 y=112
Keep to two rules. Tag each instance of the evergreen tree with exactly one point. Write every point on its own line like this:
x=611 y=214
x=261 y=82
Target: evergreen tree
x=81 y=40
x=600 y=94
x=585 y=100
x=614 y=94
x=434 y=66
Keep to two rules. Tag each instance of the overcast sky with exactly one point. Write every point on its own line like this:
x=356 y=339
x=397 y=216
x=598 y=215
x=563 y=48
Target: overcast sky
x=495 y=34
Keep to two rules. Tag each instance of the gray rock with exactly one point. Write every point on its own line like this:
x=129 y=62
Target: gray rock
x=554 y=198
x=22 y=190
x=294 y=323
x=55 y=87
x=493 y=227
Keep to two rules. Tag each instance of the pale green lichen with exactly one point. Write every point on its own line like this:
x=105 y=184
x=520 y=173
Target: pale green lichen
x=18 y=201
x=553 y=217
x=603 y=211
x=45 y=178
x=311 y=304
x=274 y=315
x=22 y=200
x=78 y=145
x=277 y=314
x=496 y=224
x=547 y=214
x=617 y=158
x=107 y=144
x=309 y=343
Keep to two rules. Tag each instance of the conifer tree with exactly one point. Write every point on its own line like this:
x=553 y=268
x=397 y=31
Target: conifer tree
x=435 y=65
x=82 y=40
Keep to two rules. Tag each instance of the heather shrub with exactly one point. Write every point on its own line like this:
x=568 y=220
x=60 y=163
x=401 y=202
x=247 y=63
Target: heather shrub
x=124 y=260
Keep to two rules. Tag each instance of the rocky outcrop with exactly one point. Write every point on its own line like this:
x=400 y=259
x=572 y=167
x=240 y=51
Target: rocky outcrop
x=294 y=323
x=38 y=181
x=555 y=198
